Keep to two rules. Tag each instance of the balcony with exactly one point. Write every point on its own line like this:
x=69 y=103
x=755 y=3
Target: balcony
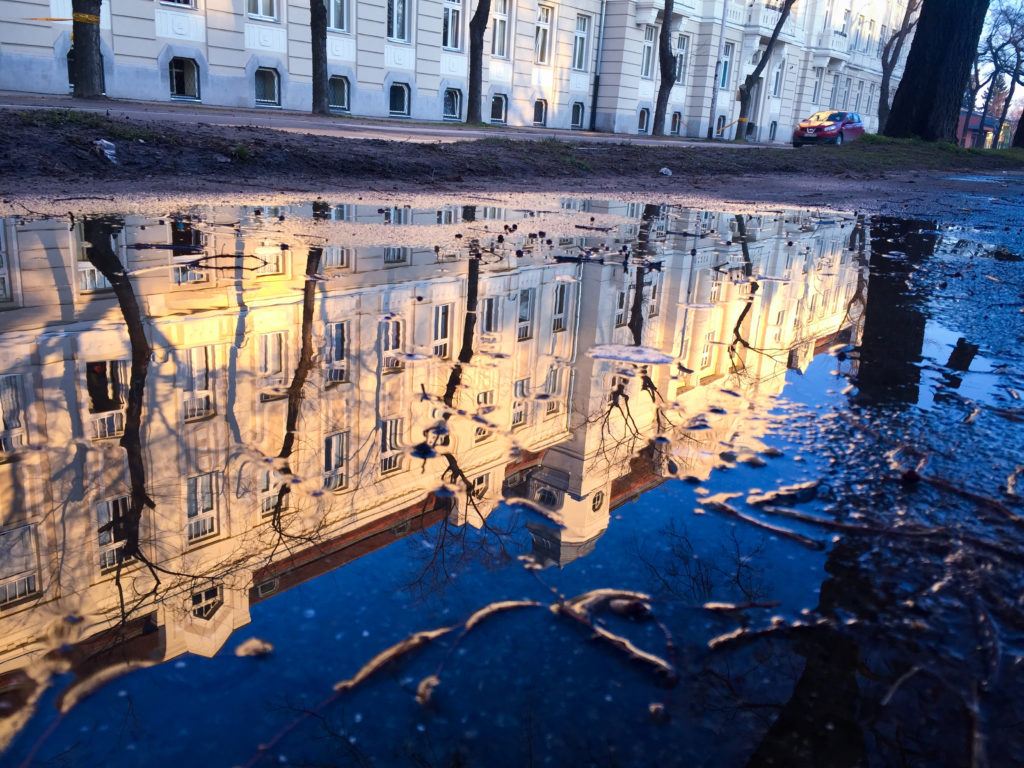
x=836 y=44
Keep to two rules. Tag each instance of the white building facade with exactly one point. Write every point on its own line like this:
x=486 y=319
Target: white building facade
x=583 y=64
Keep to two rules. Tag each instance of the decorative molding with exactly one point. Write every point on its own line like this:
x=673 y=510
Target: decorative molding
x=454 y=64
x=500 y=71
x=579 y=82
x=261 y=37
x=180 y=26
x=400 y=57
x=341 y=47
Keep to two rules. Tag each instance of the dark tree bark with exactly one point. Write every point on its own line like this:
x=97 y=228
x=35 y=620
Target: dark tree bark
x=87 y=62
x=468 y=329
x=979 y=139
x=747 y=86
x=667 y=63
x=927 y=103
x=98 y=232
x=318 y=35
x=890 y=55
x=477 y=26
x=1018 y=135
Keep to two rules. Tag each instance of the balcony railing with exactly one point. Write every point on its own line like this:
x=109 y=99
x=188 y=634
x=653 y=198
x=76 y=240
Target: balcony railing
x=107 y=425
x=197 y=405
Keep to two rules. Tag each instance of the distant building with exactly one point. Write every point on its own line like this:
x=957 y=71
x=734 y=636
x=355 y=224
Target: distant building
x=577 y=64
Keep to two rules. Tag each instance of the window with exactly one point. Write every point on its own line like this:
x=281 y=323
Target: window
x=654 y=297
x=12 y=419
x=620 y=309
x=858 y=31
x=17 y=565
x=451 y=25
x=577 y=115
x=647 y=56
x=452 y=104
x=643 y=120
x=390 y=445
x=206 y=602
x=846 y=92
x=480 y=485
x=860 y=96
x=773 y=129
x=182 y=274
x=336 y=357
x=201 y=507
x=524 y=325
x=819 y=74
x=338 y=94
x=396 y=255
x=846 y=22
x=195 y=377
x=882 y=35
x=499 y=108
x=726 y=60
x=520 y=392
x=263 y=9
x=551 y=390
x=391 y=345
x=540 y=112
x=396 y=215
x=111 y=516
x=499 y=29
x=682 y=52
x=268 y=87
x=335 y=451
x=833 y=99
x=777 y=79
x=337 y=15
x=107 y=385
x=336 y=255
x=561 y=307
x=871 y=98
x=869 y=36
x=90 y=279
x=184 y=78
x=442 y=329
x=6 y=294
x=677 y=124
x=542 y=35
x=398 y=101
x=270 y=493
x=705 y=351
x=398 y=23
x=487 y=311
x=547 y=497
x=580 y=43
x=271 y=353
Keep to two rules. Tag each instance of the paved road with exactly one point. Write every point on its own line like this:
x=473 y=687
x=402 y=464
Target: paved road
x=347 y=127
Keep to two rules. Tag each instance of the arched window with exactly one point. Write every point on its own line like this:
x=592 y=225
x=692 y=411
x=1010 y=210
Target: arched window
x=184 y=78
x=338 y=94
x=547 y=497
x=643 y=120
x=772 y=130
x=499 y=108
x=540 y=112
x=268 y=87
x=577 y=114
x=452 y=104
x=720 y=126
x=398 y=103
x=677 y=123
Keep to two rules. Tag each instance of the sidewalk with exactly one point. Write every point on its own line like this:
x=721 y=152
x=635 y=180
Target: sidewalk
x=394 y=129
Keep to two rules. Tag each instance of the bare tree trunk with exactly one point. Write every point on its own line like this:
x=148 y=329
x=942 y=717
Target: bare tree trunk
x=318 y=35
x=1009 y=98
x=87 y=65
x=747 y=86
x=979 y=139
x=667 y=63
x=890 y=55
x=98 y=232
x=477 y=26
x=927 y=103
x=468 y=329
x=1018 y=135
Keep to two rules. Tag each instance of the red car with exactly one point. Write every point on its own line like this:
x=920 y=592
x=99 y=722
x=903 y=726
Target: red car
x=828 y=128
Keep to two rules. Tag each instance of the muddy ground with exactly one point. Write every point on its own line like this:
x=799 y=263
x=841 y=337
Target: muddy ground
x=49 y=162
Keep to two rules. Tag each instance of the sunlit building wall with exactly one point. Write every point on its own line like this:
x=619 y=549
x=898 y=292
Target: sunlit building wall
x=578 y=64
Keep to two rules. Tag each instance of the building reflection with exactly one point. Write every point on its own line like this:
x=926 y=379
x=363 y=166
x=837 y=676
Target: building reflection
x=324 y=379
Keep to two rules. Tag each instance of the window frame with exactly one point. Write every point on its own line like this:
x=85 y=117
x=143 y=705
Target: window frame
x=499 y=28
x=406 y=110
x=397 y=15
x=451 y=25
x=542 y=106
x=581 y=43
x=502 y=99
x=543 y=26
x=727 y=54
x=682 y=56
x=336 y=461
x=173 y=79
x=201 y=522
x=647 y=53
x=332 y=103
x=441 y=330
x=524 y=325
x=259 y=6
x=577 y=124
x=276 y=80
x=334 y=9
x=452 y=114
x=336 y=338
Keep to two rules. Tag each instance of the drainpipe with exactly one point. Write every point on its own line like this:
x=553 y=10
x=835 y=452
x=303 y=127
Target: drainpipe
x=597 y=70
x=718 y=71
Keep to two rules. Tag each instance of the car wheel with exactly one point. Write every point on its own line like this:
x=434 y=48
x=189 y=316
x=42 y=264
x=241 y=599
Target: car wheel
x=839 y=139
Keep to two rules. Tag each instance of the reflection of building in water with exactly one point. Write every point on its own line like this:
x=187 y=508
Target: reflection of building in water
x=290 y=424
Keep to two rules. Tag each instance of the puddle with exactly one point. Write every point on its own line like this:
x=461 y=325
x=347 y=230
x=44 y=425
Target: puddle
x=576 y=481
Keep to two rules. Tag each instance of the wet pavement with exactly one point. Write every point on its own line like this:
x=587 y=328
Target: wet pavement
x=572 y=482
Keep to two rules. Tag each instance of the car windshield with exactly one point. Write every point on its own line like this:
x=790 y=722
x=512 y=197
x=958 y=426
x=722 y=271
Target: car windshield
x=825 y=117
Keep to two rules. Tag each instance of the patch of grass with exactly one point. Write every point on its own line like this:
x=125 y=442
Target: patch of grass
x=242 y=153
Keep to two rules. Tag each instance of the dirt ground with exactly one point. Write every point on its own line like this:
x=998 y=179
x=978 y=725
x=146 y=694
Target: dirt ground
x=49 y=163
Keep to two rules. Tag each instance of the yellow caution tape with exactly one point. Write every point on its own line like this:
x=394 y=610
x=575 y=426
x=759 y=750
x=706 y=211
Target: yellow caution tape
x=85 y=18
